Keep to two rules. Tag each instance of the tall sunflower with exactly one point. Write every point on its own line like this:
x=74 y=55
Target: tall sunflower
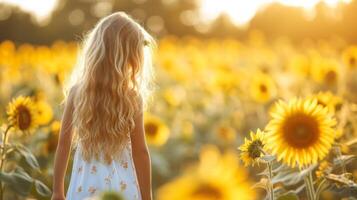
x=216 y=177
x=301 y=132
x=252 y=148
x=156 y=131
x=22 y=114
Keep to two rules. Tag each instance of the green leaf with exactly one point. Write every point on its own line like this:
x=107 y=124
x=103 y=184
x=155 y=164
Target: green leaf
x=261 y=184
x=42 y=189
x=268 y=158
x=304 y=172
x=19 y=181
x=111 y=195
x=288 y=196
x=290 y=176
x=29 y=157
x=344 y=159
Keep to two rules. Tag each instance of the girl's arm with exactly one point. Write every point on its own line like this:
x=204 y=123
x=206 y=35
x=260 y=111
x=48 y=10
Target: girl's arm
x=63 y=150
x=141 y=157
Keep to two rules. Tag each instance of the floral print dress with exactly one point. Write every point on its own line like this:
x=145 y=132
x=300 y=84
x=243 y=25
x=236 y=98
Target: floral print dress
x=89 y=179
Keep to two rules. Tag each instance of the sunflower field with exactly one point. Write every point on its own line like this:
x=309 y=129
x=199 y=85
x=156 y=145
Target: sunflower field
x=229 y=119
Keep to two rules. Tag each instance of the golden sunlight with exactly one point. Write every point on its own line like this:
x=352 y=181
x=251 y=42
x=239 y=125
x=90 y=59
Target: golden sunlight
x=241 y=12
x=41 y=9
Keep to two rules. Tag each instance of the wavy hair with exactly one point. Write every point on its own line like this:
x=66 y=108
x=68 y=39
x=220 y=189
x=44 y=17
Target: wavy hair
x=111 y=80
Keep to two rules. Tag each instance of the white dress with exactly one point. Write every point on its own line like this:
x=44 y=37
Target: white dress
x=89 y=179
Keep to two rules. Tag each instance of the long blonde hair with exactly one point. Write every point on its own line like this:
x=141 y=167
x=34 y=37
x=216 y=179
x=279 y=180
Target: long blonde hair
x=112 y=79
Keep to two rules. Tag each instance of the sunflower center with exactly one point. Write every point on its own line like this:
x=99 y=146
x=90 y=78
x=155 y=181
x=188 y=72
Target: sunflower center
x=263 y=88
x=301 y=130
x=24 y=117
x=207 y=191
x=331 y=77
x=254 y=149
x=321 y=103
x=352 y=61
x=151 y=129
x=225 y=133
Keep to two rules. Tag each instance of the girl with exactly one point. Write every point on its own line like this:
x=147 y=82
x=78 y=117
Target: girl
x=104 y=108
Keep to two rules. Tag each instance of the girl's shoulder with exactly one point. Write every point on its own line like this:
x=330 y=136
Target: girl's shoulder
x=70 y=99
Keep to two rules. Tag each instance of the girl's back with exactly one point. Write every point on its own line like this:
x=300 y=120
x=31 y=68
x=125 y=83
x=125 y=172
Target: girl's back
x=104 y=108
x=89 y=178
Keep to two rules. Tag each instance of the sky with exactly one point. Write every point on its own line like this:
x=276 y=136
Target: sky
x=239 y=11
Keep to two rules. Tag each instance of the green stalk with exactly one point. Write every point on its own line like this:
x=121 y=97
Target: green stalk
x=3 y=160
x=339 y=156
x=307 y=188
x=320 y=189
x=309 y=184
x=312 y=185
x=271 y=188
x=270 y=177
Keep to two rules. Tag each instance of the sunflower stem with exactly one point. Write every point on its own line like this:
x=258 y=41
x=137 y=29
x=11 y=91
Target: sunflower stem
x=309 y=186
x=312 y=185
x=339 y=157
x=270 y=177
x=271 y=187
x=3 y=159
x=320 y=189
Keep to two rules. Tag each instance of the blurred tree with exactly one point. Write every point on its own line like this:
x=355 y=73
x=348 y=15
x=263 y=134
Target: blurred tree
x=74 y=17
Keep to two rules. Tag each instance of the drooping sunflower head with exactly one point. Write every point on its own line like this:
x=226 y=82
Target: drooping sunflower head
x=22 y=114
x=156 y=131
x=252 y=149
x=301 y=132
x=262 y=88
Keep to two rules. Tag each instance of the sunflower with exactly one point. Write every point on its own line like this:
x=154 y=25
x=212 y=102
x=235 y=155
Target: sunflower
x=225 y=133
x=226 y=79
x=53 y=136
x=300 y=132
x=323 y=169
x=251 y=150
x=329 y=100
x=262 y=88
x=44 y=111
x=174 y=96
x=216 y=177
x=325 y=71
x=22 y=114
x=156 y=131
x=300 y=65
x=349 y=57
